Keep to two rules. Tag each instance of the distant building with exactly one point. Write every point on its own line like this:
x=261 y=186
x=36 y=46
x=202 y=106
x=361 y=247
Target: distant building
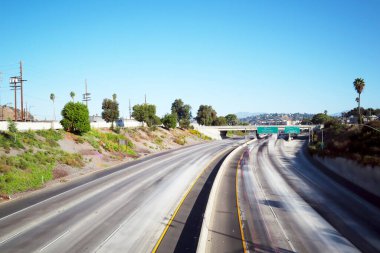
x=352 y=120
x=96 y=118
x=371 y=118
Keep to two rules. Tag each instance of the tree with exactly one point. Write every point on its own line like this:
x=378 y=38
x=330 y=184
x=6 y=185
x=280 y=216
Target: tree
x=75 y=118
x=52 y=98
x=110 y=110
x=72 y=95
x=169 y=121
x=206 y=115
x=320 y=118
x=306 y=121
x=325 y=112
x=232 y=119
x=220 y=121
x=183 y=112
x=146 y=113
x=12 y=128
x=359 y=87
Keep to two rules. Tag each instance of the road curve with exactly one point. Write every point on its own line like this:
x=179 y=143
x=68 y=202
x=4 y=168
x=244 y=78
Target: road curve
x=125 y=211
x=290 y=206
x=221 y=228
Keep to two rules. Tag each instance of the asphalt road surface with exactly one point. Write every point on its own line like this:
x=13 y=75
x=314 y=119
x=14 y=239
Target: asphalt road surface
x=123 y=211
x=289 y=205
x=221 y=228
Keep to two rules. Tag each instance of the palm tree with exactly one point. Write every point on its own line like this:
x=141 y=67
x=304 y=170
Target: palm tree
x=114 y=97
x=359 y=87
x=52 y=98
x=72 y=95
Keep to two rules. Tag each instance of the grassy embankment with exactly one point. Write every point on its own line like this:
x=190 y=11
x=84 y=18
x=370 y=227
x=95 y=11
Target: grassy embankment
x=357 y=143
x=28 y=159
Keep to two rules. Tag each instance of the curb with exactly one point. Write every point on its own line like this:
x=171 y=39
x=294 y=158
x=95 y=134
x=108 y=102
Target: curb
x=203 y=238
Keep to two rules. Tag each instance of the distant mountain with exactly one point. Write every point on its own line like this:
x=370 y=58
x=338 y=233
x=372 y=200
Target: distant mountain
x=242 y=115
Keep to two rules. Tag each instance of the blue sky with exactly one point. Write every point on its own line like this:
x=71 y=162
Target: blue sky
x=256 y=56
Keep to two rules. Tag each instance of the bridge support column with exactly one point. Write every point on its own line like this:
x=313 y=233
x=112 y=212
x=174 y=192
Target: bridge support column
x=223 y=134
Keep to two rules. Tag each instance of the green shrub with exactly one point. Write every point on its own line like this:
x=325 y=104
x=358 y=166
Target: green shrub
x=12 y=128
x=199 y=134
x=158 y=141
x=181 y=140
x=75 y=118
x=55 y=135
x=169 y=121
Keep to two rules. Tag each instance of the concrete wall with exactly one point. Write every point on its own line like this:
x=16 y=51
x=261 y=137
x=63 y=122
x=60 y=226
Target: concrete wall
x=24 y=126
x=210 y=132
x=366 y=177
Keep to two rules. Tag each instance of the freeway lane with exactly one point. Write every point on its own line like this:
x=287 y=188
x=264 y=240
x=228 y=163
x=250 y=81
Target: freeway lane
x=123 y=211
x=221 y=228
x=290 y=206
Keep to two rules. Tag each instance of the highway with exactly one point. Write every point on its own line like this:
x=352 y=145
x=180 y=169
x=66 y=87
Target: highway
x=124 y=210
x=221 y=233
x=289 y=205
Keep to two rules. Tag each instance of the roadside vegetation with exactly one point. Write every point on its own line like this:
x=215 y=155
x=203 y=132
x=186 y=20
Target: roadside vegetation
x=27 y=159
x=358 y=142
x=355 y=142
x=108 y=141
x=231 y=134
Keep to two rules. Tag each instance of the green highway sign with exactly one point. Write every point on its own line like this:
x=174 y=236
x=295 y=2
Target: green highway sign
x=267 y=130
x=292 y=130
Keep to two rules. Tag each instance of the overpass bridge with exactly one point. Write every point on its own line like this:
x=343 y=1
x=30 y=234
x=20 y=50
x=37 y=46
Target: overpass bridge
x=220 y=132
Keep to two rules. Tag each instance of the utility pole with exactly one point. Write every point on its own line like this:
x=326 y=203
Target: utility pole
x=145 y=98
x=130 y=109
x=22 y=93
x=14 y=81
x=86 y=95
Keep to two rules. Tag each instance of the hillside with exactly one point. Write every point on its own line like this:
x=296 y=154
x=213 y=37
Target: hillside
x=357 y=143
x=33 y=159
x=9 y=113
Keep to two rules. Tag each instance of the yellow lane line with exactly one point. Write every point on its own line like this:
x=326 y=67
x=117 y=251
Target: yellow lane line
x=238 y=206
x=179 y=206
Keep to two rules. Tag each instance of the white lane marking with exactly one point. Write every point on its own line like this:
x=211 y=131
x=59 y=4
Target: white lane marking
x=11 y=237
x=56 y=239
x=274 y=214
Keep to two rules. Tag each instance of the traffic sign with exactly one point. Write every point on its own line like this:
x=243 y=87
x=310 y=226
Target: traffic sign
x=292 y=130
x=267 y=130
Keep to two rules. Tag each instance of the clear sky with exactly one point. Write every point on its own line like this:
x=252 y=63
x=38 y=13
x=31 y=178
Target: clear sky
x=236 y=55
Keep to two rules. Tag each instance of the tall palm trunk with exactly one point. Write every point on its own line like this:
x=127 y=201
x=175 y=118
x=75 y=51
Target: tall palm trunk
x=54 y=111
x=360 y=115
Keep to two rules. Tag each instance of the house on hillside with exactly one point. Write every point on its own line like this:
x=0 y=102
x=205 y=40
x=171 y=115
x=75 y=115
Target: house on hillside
x=352 y=120
x=370 y=118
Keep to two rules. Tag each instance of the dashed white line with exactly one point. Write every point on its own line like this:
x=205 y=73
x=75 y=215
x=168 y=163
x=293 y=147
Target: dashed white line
x=56 y=239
